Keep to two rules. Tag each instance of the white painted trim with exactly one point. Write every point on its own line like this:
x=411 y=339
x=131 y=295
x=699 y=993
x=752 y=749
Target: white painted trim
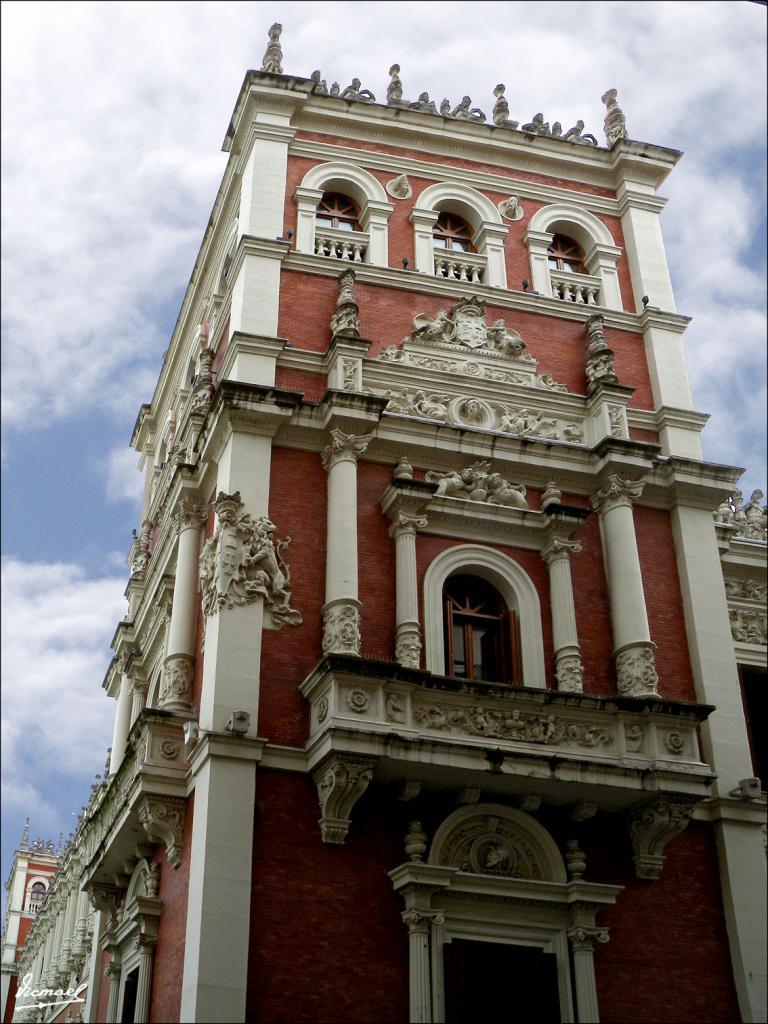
x=590 y=227
x=514 y=585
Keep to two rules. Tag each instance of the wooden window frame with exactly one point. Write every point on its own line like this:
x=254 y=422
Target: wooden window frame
x=448 y=234
x=564 y=250
x=507 y=644
x=336 y=214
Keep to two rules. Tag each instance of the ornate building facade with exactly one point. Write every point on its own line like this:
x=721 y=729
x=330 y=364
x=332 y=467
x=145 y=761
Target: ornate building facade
x=445 y=648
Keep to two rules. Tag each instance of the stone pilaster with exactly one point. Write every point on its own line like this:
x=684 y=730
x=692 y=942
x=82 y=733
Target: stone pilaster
x=420 y=925
x=582 y=944
x=122 y=717
x=633 y=650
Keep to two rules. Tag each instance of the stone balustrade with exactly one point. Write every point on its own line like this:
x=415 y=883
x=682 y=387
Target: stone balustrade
x=460 y=266
x=341 y=245
x=579 y=288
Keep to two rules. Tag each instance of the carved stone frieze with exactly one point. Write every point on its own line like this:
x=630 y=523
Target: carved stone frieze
x=394 y=707
x=344 y=446
x=358 y=701
x=176 y=682
x=341 y=628
x=615 y=122
x=511 y=725
x=616 y=417
x=273 y=57
x=636 y=671
x=651 y=826
x=345 y=321
x=243 y=561
x=340 y=783
x=162 y=819
x=489 y=845
x=470 y=368
x=750 y=589
x=749 y=625
x=634 y=736
x=464 y=327
x=477 y=483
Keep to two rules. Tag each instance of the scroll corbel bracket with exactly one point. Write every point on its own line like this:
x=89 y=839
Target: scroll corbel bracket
x=340 y=784
x=162 y=819
x=651 y=826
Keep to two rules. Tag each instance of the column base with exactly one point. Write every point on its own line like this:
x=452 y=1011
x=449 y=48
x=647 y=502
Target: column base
x=176 y=683
x=569 y=671
x=636 y=670
x=341 y=626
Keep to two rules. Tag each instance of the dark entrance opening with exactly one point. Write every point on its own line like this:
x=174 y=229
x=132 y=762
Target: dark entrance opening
x=129 y=997
x=494 y=982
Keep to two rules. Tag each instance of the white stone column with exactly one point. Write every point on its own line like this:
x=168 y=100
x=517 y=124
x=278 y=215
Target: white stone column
x=582 y=943
x=407 y=629
x=306 y=202
x=632 y=646
x=538 y=242
x=423 y=225
x=58 y=934
x=48 y=950
x=139 y=689
x=341 y=611
x=113 y=971
x=95 y=973
x=122 y=719
x=176 y=684
x=419 y=928
x=645 y=246
x=144 y=984
x=68 y=934
x=568 y=667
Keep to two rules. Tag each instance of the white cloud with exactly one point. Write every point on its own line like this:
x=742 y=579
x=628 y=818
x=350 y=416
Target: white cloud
x=124 y=482
x=57 y=720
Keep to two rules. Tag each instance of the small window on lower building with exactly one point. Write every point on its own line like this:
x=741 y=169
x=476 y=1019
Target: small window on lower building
x=481 y=633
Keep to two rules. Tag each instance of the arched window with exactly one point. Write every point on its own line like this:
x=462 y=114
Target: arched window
x=337 y=211
x=451 y=232
x=566 y=255
x=36 y=896
x=480 y=632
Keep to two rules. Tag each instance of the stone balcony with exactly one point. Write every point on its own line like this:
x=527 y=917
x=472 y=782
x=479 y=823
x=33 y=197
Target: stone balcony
x=373 y=720
x=579 y=288
x=341 y=245
x=460 y=266
x=143 y=803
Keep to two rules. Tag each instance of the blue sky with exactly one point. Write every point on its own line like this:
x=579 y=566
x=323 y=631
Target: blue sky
x=113 y=117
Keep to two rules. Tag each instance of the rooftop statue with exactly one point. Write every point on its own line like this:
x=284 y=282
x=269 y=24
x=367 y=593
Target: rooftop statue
x=615 y=122
x=273 y=57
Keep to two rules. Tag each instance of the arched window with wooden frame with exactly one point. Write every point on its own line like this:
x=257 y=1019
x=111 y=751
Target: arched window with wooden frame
x=36 y=896
x=565 y=255
x=481 y=632
x=337 y=211
x=451 y=232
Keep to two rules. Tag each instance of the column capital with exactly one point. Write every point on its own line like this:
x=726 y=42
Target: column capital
x=617 y=491
x=344 y=448
x=404 y=523
x=420 y=921
x=189 y=516
x=558 y=548
x=582 y=938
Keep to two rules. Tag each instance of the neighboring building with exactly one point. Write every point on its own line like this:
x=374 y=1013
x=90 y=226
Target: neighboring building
x=499 y=658
x=33 y=868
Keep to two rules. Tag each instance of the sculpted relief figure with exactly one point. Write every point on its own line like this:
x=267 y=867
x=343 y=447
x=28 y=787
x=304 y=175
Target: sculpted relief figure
x=476 y=483
x=755 y=517
x=243 y=561
x=464 y=326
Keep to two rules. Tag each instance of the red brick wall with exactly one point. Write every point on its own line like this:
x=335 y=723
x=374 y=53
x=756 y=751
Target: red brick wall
x=327 y=941
x=312 y=385
x=667 y=959
x=11 y=1003
x=24 y=925
x=104 y=984
x=386 y=317
x=169 y=953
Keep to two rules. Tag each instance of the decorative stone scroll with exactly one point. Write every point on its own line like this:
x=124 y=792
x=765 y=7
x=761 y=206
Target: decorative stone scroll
x=467 y=411
x=273 y=57
x=511 y=725
x=340 y=783
x=615 y=123
x=651 y=826
x=477 y=483
x=162 y=819
x=600 y=358
x=345 y=321
x=242 y=561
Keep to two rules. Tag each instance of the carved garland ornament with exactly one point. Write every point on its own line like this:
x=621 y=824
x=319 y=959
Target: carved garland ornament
x=242 y=561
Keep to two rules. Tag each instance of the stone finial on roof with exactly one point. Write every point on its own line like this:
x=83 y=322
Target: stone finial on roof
x=615 y=122
x=24 y=845
x=273 y=57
